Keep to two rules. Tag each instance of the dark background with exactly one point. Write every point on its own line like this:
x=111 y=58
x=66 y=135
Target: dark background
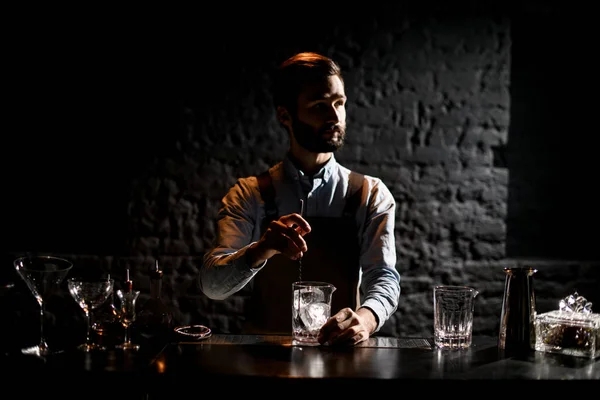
x=124 y=129
x=88 y=112
x=552 y=153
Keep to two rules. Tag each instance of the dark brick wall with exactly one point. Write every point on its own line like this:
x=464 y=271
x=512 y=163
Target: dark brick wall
x=162 y=126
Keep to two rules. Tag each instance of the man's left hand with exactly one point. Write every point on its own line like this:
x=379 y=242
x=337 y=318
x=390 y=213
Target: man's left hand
x=348 y=327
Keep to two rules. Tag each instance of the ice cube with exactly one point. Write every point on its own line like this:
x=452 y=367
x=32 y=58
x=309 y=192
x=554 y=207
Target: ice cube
x=314 y=315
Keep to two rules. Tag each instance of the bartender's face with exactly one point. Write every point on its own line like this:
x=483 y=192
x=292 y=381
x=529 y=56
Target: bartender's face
x=319 y=124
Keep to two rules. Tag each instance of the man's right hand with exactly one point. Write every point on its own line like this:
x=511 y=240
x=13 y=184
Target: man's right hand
x=283 y=236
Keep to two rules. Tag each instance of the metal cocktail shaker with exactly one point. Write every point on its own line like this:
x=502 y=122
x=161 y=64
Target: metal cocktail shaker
x=517 y=330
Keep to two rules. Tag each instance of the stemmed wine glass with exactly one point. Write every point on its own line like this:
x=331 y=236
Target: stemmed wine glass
x=43 y=275
x=126 y=314
x=90 y=294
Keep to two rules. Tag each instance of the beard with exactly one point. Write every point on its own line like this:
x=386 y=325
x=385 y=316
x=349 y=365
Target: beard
x=319 y=140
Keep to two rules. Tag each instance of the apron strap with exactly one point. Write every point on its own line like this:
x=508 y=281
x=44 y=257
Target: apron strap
x=267 y=192
x=355 y=185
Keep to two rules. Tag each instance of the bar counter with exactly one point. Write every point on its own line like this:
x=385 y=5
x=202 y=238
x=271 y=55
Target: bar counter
x=241 y=364
x=395 y=363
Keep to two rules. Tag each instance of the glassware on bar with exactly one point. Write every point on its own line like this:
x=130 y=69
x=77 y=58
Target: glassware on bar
x=155 y=320
x=90 y=294
x=126 y=313
x=43 y=276
x=571 y=330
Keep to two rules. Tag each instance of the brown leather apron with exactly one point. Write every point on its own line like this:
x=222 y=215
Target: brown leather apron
x=332 y=256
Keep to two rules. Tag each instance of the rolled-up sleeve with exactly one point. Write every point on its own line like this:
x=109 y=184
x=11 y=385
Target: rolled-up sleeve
x=224 y=269
x=380 y=280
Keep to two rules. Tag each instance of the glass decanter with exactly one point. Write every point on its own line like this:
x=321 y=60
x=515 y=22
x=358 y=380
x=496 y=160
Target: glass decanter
x=154 y=323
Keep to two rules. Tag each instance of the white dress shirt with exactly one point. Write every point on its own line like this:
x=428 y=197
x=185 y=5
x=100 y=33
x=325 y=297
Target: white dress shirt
x=225 y=270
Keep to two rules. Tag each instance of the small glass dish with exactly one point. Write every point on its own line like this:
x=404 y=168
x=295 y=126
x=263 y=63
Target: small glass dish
x=573 y=329
x=569 y=333
x=193 y=332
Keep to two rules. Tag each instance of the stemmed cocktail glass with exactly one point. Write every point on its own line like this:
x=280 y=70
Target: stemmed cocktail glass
x=43 y=275
x=126 y=314
x=90 y=294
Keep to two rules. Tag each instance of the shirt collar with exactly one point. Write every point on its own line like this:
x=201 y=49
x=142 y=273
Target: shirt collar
x=294 y=173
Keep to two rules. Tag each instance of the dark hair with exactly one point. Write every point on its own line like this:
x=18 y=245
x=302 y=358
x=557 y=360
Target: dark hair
x=297 y=71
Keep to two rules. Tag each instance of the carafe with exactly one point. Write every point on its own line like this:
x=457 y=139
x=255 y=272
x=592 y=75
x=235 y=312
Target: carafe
x=517 y=330
x=154 y=321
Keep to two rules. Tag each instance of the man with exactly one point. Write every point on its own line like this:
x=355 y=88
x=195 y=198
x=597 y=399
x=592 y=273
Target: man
x=308 y=218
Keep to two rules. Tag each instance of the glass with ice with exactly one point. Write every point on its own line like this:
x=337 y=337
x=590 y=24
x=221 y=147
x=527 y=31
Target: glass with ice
x=311 y=307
